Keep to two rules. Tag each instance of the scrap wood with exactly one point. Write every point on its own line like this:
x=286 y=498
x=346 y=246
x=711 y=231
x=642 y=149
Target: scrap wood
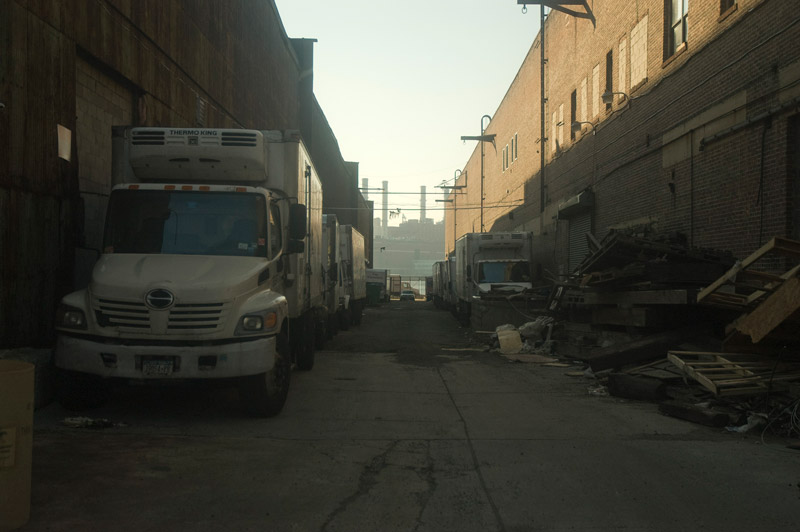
x=776 y=309
x=637 y=351
x=694 y=413
x=728 y=374
x=778 y=245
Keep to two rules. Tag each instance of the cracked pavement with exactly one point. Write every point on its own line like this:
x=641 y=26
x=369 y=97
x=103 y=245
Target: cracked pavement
x=403 y=425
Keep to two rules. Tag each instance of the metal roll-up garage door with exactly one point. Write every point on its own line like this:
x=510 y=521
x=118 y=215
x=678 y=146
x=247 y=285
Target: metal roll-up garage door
x=579 y=225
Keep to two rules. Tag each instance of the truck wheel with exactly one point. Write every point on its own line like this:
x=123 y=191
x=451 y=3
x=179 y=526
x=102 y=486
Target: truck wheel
x=79 y=391
x=333 y=325
x=344 y=319
x=321 y=333
x=358 y=311
x=305 y=356
x=265 y=394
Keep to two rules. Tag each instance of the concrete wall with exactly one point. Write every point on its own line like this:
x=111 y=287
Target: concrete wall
x=645 y=162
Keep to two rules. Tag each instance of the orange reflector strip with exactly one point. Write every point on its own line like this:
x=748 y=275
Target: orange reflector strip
x=169 y=187
x=271 y=320
x=133 y=187
x=241 y=189
x=186 y=187
x=205 y=188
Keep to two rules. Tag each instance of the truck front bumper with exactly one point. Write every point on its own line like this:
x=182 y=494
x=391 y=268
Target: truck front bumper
x=234 y=359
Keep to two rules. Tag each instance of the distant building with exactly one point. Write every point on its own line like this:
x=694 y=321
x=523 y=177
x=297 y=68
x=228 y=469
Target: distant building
x=411 y=248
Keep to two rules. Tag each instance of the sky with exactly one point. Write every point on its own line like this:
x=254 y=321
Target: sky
x=401 y=82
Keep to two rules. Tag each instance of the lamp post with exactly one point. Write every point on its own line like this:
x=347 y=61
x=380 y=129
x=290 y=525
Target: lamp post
x=608 y=97
x=481 y=138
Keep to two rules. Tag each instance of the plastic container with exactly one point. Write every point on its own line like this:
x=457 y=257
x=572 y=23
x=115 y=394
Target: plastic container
x=16 y=442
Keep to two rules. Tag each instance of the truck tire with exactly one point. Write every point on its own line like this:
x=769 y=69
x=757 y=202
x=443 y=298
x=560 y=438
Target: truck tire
x=265 y=394
x=321 y=333
x=305 y=355
x=333 y=325
x=345 y=318
x=79 y=391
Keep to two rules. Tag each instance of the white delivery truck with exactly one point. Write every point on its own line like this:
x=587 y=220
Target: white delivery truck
x=334 y=285
x=354 y=271
x=210 y=267
x=490 y=263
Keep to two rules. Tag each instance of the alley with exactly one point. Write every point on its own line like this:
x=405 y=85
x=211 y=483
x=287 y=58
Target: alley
x=405 y=424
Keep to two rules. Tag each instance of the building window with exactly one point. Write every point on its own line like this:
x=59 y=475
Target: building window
x=609 y=75
x=584 y=108
x=622 y=70
x=676 y=32
x=725 y=5
x=505 y=158
x=639 y=53
x=595 y=91
x=573 y=113
x=516 y=147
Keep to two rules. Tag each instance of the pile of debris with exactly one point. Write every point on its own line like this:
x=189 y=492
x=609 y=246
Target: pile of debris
x=632 y=281
x=750 y=378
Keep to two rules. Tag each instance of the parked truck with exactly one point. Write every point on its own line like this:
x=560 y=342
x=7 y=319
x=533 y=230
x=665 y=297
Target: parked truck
x=334 y=286
x=395 y=285
x=210 y=267
x=439 y=286
x=491 y=263
x=376 y=286
x=354 y=270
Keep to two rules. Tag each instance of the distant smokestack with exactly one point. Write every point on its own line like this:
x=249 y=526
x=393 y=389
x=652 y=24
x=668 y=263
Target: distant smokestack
x=385 y=220
x=365 y=187
x=422 y=204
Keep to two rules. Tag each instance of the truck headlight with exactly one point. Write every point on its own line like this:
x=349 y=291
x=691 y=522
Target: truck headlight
x=70 y=318
x=252 y=323
x=257 y=322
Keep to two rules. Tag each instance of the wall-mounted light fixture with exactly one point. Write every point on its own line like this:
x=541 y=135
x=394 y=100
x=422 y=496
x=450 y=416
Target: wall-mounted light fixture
x=608 y=97
x=481 y=138
x=576 y=127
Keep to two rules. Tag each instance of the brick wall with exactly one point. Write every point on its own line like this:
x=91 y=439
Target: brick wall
x=644 y=160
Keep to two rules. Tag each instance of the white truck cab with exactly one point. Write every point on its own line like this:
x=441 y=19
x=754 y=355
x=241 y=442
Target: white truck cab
x=207 y=265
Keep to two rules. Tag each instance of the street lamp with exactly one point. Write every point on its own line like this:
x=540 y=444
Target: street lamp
x=576 y=127
x=481 y=138
x=608 y=97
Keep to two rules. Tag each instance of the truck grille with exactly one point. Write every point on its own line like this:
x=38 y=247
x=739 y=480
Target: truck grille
x=148 y=138
x=183 y=317
x=196 y=316
x=123 y=314
x=232 y=138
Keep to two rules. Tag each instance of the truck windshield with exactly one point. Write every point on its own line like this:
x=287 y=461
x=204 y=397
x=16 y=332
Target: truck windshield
x=186 y=223
x=504 y=272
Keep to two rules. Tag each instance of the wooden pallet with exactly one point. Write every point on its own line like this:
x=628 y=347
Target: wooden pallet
x=728 y=374
x=742 y=288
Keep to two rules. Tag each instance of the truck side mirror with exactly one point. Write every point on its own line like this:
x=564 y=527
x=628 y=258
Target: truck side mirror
x=295 y=246
x=297 y=221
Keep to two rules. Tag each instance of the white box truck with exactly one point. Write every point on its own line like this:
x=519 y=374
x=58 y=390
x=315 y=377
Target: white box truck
x=210 y=267
x=491 y=263
x=354 y=272
x=334 y=285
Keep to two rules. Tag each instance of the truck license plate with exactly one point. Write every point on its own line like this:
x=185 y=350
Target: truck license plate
x=157 y=368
